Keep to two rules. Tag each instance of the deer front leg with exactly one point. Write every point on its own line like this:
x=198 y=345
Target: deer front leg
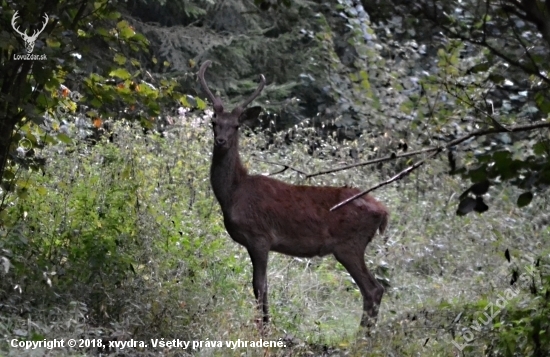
x=259 y=259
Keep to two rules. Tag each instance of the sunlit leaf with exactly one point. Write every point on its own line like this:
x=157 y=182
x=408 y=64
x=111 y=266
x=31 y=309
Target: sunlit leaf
x=119 y=59
x=201 y=104
x=120 y=73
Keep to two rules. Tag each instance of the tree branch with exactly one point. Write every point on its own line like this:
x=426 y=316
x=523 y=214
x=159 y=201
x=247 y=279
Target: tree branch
x=285 y=167
x=521 y=42
x=399 y=176
x=506 y=58
x=473 y=106
x=536 y=14
x=484 y=43
x=370 y=162
x=495 y=130
x=437 y=150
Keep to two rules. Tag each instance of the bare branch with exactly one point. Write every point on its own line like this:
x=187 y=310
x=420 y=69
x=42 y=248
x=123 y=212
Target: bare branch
x=399 y=176
x=514 y=129
x=484 y=43
x=437 y=150
x=521 y=42
x=487 y=6
x=285 y=167
x=536 y=15
x=476 y=108
x=508 y=59
x=370 y=162
x=495 y=130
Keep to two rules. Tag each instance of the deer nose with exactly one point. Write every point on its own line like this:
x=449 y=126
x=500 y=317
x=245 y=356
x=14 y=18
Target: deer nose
x=220 y=141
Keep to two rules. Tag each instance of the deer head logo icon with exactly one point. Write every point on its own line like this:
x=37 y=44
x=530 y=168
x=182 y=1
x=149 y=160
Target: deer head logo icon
x=29 y=40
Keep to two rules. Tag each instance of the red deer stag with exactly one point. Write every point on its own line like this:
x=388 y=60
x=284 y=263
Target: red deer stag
x=264 y=214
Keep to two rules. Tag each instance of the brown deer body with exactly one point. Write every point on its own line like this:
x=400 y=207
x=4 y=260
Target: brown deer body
x=264 y=214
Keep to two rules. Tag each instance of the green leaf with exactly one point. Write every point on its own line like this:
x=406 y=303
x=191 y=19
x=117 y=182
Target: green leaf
x=503 y=160
x=480 y=67
x=8 y=175
x=124 y=30
x=113 y=15
x=64 y=138
x=524 y=199
x=52 y=84
x=496 y=78
x=543 y=102
x=42 y=190
x=541 y=148
x=42 y=101
x=126 y=33
x=102 y=32
x=41 y=74
x=201 y=104
x=479 y=174
x=96 y=103
x=140 y=38
x=120 y=73
x=52 y=43
x=119 y=59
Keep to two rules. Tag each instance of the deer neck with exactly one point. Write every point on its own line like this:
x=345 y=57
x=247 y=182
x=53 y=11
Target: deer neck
x=226 y=173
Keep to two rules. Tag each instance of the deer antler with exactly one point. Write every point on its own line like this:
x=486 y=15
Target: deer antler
x=217 y=103
x=15 y=17
x=255 y=94
x=36 y=33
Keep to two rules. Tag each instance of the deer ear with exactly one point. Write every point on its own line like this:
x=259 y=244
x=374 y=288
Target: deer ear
x=249 y=116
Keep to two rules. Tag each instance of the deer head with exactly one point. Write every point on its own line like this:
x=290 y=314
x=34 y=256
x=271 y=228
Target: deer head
x=226 y=124
x=29 y=40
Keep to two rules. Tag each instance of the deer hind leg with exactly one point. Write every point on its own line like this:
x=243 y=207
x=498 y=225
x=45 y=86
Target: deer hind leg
x=370 y=288
x=259 y=259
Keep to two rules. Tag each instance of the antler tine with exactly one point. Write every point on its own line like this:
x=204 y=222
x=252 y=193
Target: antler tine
x=46 y=19
x=13 y=19
x=218 y=105
x=256 y=92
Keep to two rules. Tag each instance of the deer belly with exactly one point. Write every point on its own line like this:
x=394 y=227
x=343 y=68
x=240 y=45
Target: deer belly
x=301 y=248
